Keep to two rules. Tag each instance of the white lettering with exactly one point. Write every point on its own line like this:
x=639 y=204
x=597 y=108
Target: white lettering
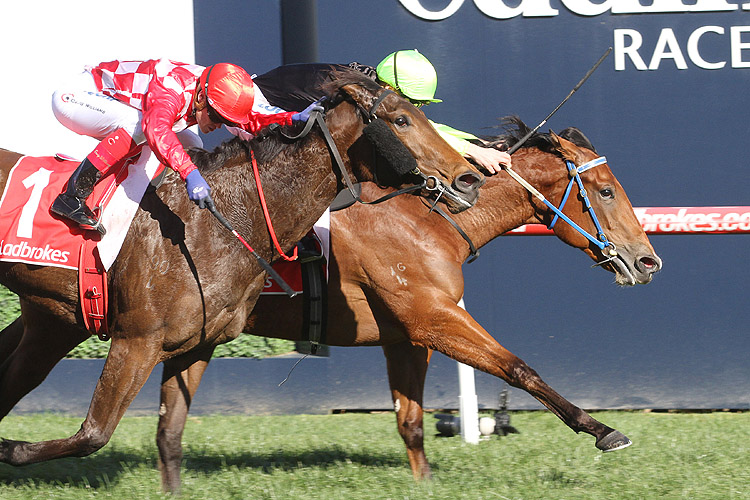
x=735 y=34
x=660 y=6
x=628 y=42
x=667 y=40
x=694 y=52
x=631 y=50
x=586 y=8
x=416 y=8
x=497 y=9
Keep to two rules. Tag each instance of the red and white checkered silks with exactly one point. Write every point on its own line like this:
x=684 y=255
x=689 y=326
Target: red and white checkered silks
x=128 y=81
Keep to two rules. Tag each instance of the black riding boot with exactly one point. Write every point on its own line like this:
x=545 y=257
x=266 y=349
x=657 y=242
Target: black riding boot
x=72 y=202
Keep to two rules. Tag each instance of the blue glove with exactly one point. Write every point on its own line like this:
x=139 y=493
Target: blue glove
x=304 y=115
x=198 y=190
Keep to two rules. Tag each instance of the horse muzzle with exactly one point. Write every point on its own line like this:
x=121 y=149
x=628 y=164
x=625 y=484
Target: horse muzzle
x=463 y=192
x=635 y=267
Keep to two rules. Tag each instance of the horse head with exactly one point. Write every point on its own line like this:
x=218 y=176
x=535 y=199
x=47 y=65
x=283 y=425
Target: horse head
x=602 y=208
x=394 y=143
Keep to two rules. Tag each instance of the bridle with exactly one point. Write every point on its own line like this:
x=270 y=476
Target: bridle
x=600 y=240
x=429 y=182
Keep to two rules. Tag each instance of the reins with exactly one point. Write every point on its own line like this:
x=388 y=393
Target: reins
x=430 y=183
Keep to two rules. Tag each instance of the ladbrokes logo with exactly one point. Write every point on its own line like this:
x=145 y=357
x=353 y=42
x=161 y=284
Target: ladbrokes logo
x=498 y=9
x=695 y=220
x=632 y=49
x=25 y=251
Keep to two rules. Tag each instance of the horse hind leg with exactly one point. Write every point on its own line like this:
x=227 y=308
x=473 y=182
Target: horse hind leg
x=128 y=365
x=407 y=369
x=30 y=347
x=180 y=380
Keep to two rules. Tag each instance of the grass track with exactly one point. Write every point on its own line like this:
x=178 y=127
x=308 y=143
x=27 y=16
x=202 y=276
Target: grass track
x=360 y=456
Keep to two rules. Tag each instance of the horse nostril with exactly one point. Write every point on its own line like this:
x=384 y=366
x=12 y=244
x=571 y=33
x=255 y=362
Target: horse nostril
x=648 y=264
x=469 y=181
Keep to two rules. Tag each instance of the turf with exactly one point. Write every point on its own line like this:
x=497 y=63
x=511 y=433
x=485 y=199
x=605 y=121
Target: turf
x=360 y=456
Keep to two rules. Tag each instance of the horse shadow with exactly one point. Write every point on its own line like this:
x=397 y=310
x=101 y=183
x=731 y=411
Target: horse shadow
x=106 y=467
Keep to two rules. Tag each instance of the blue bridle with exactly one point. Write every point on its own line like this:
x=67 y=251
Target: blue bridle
x=600 y=240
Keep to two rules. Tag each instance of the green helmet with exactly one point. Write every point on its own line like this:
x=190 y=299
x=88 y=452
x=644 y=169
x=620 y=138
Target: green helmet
x=410 y=73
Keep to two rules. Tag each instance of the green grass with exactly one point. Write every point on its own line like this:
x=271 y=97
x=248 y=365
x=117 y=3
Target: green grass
x=360 y=456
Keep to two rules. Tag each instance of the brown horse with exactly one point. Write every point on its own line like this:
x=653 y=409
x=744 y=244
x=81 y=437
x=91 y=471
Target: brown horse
x=416 y=314
x=182 y=284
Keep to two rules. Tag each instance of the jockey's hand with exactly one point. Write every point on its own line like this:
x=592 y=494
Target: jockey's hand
x=198 y=190
x=304 y=115
x=489 y=159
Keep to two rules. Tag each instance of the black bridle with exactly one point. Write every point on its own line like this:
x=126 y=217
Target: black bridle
x=429 y=182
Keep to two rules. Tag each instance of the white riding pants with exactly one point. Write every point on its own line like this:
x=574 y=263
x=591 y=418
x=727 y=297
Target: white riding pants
x=82 y=108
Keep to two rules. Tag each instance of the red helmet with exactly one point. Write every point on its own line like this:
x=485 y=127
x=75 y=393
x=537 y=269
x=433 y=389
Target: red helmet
x=229 y=90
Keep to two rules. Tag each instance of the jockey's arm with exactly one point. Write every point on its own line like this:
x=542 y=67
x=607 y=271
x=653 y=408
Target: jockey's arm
x=161 y=107
x=488 y=158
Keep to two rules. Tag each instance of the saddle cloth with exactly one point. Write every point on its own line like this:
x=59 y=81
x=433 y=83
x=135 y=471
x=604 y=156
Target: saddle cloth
x=29 y=233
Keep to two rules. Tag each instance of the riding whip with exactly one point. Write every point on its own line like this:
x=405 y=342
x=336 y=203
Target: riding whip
x=263 y=263
x=517 y=145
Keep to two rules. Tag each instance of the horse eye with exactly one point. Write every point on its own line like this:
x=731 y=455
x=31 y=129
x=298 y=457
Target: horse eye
x=401 y=121
x=607 y=193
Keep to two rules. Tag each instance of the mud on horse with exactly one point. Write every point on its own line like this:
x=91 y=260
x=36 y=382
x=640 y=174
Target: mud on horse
x=182 y=284
x=413 y=317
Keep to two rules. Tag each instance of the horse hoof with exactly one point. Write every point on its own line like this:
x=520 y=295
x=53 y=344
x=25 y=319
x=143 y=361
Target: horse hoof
x=615 y=440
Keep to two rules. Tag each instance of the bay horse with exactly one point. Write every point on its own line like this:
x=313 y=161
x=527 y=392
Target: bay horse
x=182 y=284
x=412 y=316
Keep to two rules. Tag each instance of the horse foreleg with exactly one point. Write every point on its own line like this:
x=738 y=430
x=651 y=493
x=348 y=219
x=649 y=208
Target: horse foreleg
x=179 y=382
x=407 y=369
x=128 y=365
x=460 y=337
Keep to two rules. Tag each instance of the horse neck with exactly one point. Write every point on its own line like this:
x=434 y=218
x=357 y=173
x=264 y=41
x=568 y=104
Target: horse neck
x=299 y=184
x=504 y=204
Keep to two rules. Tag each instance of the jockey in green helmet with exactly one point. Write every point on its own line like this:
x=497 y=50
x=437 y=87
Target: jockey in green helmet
x=412 y=75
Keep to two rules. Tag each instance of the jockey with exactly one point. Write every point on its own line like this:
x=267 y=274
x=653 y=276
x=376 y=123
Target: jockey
x=128 y=103
x=412 y=75
x=406 y=71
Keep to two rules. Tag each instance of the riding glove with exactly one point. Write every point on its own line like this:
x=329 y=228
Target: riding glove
x=304 y=115
x=198 y=190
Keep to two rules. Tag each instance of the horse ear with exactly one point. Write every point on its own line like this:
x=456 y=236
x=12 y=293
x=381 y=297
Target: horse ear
x=567 y=149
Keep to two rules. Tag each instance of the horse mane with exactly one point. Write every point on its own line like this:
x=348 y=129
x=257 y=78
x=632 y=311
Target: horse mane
x=270 y=141
x=577 y=137
x=516 y=129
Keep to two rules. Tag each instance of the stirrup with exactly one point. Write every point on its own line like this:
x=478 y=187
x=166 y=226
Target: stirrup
x=74 y=209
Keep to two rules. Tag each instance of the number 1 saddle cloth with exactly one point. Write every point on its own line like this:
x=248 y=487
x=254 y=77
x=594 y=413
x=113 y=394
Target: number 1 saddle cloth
x=29 y=233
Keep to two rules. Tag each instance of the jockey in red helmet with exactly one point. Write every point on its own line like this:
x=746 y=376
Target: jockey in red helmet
x=128 y=103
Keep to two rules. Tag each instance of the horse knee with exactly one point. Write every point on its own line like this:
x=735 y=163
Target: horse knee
x=91 y=441
x=412 y=432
